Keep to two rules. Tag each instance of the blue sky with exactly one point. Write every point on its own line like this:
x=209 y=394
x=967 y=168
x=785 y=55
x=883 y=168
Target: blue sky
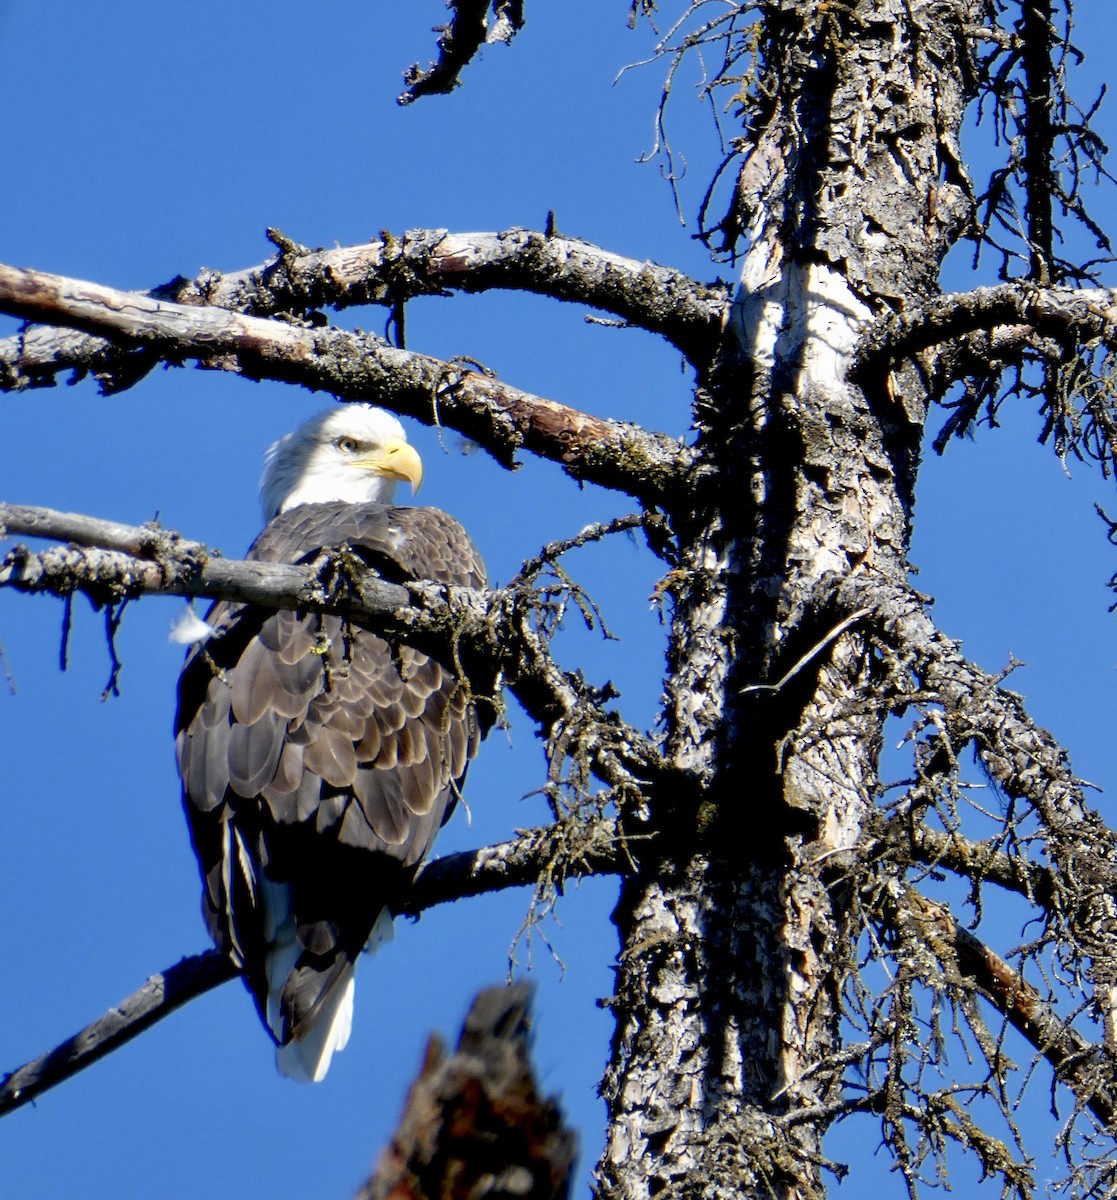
x=142 y=141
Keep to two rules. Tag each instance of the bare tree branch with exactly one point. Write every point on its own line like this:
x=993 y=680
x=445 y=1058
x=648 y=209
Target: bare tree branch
x=1025 y=762
x=158 y=998
x=357 y=366
x=984 y=862
x=82 y=530
x=393 y=270
x=1089 y=1071
x=598 y=847
x=35 y=356
x=658 y=299
x=468 y=29
x=1037 y=37
x=1074 y=315
x=1023 y=759
x=120 y=561
x=508 y=864
x=1051 y=155
x=496 y=629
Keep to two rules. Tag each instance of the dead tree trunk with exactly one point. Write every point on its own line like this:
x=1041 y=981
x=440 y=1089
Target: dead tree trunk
x=736 y=938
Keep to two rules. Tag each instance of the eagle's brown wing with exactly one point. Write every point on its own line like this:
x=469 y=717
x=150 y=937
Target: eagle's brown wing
x=318 y=762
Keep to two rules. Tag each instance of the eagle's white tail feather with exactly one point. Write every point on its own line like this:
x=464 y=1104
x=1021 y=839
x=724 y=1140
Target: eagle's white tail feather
x=308 y=1060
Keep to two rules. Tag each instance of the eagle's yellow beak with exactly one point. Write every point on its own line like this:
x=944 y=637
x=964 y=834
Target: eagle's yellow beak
x=397 y=460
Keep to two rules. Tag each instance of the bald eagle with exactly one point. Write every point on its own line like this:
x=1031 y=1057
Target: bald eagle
x=318 y=762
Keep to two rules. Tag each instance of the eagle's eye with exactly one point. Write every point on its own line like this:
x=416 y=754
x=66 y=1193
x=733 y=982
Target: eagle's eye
x=347 y=445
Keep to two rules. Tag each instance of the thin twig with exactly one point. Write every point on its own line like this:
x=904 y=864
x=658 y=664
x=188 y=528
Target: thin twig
x=813 y=652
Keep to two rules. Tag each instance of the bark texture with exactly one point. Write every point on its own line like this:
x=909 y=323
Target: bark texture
x=735 y=943
x=767 y=873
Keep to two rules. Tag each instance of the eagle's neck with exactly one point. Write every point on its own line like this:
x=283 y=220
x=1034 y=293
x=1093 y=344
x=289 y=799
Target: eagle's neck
x=288 y=485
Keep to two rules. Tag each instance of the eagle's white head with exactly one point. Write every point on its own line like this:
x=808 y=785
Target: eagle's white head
x=354 y=452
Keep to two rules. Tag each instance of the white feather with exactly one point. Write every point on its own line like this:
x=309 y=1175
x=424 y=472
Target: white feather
x=188 y=628
x=307 y=1061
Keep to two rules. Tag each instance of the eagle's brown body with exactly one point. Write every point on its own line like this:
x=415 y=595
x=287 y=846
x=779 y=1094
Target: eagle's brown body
x=318 y=763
